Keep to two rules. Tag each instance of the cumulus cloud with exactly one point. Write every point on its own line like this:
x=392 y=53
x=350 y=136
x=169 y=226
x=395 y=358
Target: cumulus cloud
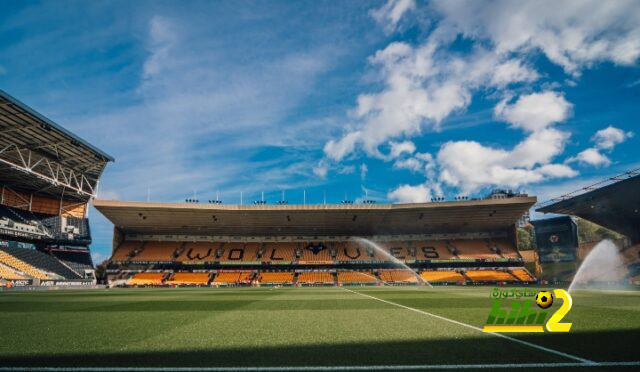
x=423 y=86
x=391 y=12
x=399 y=148
x=605 y=140
x=426 y=82
x=609 y=137
x=591 y=156
x=410 y=194
x=534 y=111
x=469 y=165
x=572 y=34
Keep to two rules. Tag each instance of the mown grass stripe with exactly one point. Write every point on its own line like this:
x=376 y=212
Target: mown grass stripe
x=332 y=368
x=530 y=344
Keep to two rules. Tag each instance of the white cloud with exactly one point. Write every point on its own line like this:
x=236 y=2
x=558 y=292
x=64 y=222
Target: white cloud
x=534 y=111
x=572 y=34
x=605 y=140
x=399 y=148
x=410 y=194
x=321 y=169
x=609 y=137
x=422 y=86
x=470 y=165
x=590 y=156
x=391 y=12
x=363 y=171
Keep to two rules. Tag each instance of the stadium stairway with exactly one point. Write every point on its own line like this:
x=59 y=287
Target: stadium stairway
x=42 y=261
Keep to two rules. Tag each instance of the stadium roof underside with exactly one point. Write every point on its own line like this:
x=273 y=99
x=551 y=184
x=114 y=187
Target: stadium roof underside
x=615 y=206
x=314 y=220
x=41 y=157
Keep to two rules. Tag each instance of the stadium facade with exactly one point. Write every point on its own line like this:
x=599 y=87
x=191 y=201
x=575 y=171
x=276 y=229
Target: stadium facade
x=48 y=175
x=466 y=241
x=615 y=204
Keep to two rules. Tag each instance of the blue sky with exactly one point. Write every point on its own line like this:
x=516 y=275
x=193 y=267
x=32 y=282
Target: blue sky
x=399 y=100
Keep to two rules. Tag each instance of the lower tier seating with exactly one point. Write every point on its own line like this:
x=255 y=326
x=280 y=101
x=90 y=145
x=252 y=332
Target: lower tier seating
x=230 y=278
x=315 y=278
x=276 y=278
x=398 y=276
x=22 y=266
x=355 y=277
x=443 y=276
x=189 y=278
x=146 y=279
x=490 y=276
x=523 y=275
x=42 y=261
x=8 y=273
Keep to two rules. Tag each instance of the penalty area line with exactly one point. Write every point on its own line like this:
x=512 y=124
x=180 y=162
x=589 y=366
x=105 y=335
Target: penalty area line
x=513 y=339
x=330 y=368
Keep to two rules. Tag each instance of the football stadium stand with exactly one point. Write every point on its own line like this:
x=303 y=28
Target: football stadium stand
x=398 y=276
x=243 y=277
x=461 y=242
x=491 y=276
x=147 y=279
x=442 y=276
x=276 y=278
x=315 y=278
x=47 y=177
x=189 y=279
x=347 y=277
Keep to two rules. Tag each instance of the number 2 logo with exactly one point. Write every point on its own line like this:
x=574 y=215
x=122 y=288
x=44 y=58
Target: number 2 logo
x=554 y=325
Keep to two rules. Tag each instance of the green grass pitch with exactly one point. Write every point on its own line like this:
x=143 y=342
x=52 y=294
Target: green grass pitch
x=328 y=326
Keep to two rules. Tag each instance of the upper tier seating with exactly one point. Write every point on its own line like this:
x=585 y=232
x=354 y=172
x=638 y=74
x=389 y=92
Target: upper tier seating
x=146 y=279
x=432 y=250
x=189 y=278
x=279 y=252
x=125 y=250
x=398 y=276
x=355 y=277
x=199 y=251
x=397 y=250
x=315 y=277
x=42 y=261
x=474 y=249
x=523 y=275
x=239 y=252
x=315 y=253
x=435 y=276
x=350 y=251
x=157 y=251
x=276 y=278
x=8 y=273
x=490 y=276
x=507 y=249
x=20 y=265
x=238 y=277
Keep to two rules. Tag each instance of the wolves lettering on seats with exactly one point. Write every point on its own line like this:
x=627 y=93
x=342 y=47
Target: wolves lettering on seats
x=198 y=256
x=239 y=254
x=346 y=253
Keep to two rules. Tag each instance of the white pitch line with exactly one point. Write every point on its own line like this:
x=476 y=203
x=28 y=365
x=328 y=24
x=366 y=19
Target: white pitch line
x=535 y=346
x=328 y=368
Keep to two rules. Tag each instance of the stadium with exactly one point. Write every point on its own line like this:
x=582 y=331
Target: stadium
x=287 y=287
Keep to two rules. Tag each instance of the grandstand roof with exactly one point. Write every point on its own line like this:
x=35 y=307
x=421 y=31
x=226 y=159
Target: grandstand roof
x=314 y=220
x=38 y=155
x=615 y=206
